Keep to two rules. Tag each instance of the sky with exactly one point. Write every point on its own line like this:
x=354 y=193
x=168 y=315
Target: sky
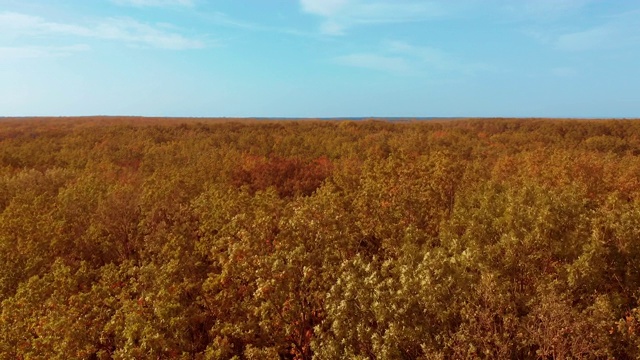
x=320 y=58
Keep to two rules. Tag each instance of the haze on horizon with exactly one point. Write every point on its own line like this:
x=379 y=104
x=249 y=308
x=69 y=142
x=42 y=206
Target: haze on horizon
x=320 y=58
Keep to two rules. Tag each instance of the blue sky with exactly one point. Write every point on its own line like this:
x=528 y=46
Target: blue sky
x=320 y=58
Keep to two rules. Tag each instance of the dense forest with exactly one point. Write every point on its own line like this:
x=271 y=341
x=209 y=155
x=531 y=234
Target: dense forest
x=125 y=238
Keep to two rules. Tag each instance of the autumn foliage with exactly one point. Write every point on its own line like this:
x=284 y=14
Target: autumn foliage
x=288 y=176
x=139 y=238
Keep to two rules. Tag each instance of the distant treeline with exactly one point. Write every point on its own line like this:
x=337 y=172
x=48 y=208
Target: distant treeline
x=142 y=238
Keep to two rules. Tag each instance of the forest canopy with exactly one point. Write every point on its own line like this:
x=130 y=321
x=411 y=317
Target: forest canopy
x=139 y=238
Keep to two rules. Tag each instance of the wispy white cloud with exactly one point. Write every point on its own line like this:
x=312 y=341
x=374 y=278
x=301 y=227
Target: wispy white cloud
x=26 y=52
x=434 y=58
x=323 y=7
x=17 y=24
x=339 y=15
x=615 y=32
x=543 y=9
x=125 y=30
x=403 y=58
x=225 y=20
x=589 y=39
x=155 y=3
x=133 y=32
